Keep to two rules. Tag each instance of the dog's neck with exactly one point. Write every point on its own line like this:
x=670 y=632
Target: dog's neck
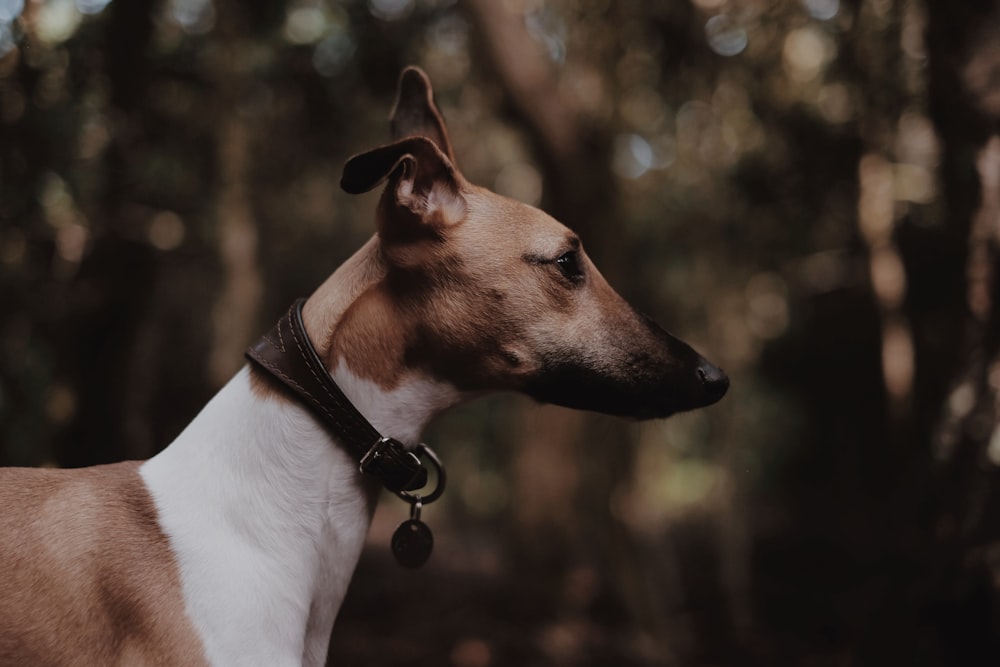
x=359 y=341
x=266 y=511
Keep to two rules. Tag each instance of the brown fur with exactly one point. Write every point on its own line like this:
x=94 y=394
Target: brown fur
x=81 y=552
x=485 y=293
x=462 y=306
x=458 y=280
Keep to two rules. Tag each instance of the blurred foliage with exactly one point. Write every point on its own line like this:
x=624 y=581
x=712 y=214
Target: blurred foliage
x=804 y=189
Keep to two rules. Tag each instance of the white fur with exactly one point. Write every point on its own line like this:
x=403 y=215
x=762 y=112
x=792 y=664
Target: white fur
x=267 y=515
x=403 y=412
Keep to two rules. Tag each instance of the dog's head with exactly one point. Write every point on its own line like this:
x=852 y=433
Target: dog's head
x=486 y=293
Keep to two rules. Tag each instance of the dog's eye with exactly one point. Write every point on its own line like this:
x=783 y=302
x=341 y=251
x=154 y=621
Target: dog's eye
x=569 y=265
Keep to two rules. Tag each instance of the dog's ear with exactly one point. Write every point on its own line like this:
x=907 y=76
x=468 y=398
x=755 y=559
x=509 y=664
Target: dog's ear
x=423 y=183
x=416 y=115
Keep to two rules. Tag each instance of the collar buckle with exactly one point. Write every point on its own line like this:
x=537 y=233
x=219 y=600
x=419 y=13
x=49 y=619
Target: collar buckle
x=398 y=468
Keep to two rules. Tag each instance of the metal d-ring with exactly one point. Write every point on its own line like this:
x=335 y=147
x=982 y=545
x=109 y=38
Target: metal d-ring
x=413 y=498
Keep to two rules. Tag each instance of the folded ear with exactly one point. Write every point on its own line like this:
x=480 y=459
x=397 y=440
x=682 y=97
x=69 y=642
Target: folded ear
x=416 y=115
x=423 y=183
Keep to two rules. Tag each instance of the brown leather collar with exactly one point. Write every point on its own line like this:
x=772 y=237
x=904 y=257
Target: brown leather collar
x=287 y=354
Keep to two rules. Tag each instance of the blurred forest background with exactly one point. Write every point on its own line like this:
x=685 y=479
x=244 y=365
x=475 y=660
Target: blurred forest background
x=807 y=190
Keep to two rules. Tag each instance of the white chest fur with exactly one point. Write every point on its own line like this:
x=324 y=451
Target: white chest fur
x=267 y=518
x=267 y=515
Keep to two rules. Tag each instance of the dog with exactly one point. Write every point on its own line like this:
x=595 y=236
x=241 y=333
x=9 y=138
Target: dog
x=235 y=544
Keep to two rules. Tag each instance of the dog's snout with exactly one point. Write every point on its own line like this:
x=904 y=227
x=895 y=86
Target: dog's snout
x=714 y=381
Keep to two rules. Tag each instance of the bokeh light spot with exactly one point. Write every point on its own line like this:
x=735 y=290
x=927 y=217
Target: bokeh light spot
x=993 y=449
x=897 y=360
x=195 y=17
x=7 y=43
x=305 y=24
x=390 y=10
x=56 y=21
x=962 y=400
x=166 y=230
x=94 y=137
x=633 y=156
x=471 y=653
x=806 y=52
x=10 y=10
x=91 y=7
x=824 y=10
x=548 y=29
x=450 y=34
x=725 y=36
x=888 y=276
x=913 y=183
x=767 y=305
x=60 y=404
x=71 y=242
x=333 y=53
x=689 y=481
x=916 y=140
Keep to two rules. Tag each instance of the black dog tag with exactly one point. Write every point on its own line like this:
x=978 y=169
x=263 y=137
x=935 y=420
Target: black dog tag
x=412 y=543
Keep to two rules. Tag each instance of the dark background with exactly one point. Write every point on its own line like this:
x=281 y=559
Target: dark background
x=808 y=191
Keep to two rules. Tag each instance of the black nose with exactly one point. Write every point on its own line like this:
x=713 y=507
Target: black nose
x=714 y=381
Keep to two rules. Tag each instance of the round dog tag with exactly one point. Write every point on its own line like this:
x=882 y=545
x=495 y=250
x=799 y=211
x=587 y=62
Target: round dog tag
x=412 y=543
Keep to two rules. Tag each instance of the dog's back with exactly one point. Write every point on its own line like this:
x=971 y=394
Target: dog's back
x=79 y=544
